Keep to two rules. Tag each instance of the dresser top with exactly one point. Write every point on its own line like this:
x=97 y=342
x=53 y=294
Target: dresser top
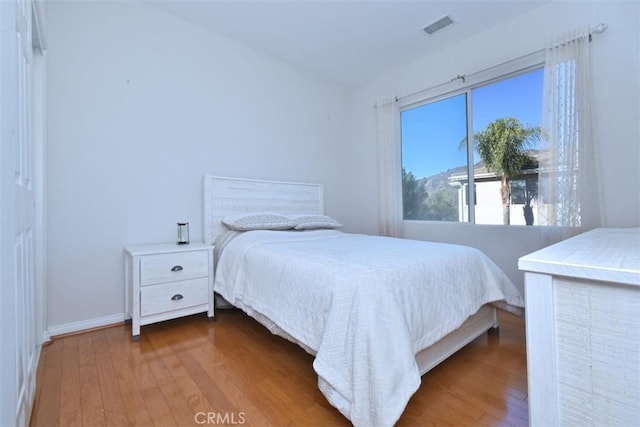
x=603 y=254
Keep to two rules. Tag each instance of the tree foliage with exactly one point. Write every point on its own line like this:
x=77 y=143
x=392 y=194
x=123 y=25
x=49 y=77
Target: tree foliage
x=413 y=196
x=442 y=205
x=419 y=204
x=503 y=144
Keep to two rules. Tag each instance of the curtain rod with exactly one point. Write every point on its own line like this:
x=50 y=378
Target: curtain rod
x=598 y=29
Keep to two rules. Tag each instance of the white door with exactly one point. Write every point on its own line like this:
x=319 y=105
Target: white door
x=18 y=210
x=26 y=349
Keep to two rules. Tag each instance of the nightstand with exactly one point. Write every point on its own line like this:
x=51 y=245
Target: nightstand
x=166 y=281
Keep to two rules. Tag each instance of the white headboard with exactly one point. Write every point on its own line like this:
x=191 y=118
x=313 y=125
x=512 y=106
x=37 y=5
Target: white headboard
x=223 y=196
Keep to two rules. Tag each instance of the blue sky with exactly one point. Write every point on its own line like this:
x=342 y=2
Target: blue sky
x=431 y=134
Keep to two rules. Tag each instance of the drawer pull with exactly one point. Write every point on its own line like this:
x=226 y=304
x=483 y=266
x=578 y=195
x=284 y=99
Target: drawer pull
x=177 y=268
x=177 y=297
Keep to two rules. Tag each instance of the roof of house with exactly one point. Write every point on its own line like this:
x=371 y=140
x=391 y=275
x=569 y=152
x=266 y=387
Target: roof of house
x=482 y=173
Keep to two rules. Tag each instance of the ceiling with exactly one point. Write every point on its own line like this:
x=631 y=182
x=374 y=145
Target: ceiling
x=345 y=41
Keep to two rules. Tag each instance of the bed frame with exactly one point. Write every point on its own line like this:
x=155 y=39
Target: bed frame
x=223 y=196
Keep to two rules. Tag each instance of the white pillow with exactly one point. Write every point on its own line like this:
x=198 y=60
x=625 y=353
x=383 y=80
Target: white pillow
x=313 y=222
x=258 y=221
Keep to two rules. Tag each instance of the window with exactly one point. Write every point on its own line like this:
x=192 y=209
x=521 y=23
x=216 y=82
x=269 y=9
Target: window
x=501 y=117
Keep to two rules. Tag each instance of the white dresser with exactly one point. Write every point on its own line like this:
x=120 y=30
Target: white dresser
x=166 y=281
x=583 y=330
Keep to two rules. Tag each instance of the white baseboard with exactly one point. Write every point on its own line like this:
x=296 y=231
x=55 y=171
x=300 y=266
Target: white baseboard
x=97 y=322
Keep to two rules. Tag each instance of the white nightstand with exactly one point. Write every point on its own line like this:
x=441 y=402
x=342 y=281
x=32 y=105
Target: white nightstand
x=166 y=281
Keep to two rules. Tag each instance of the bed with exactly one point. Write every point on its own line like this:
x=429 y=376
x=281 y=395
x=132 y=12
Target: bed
x=376 y=312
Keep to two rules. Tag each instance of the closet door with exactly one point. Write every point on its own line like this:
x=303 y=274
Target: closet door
x=24 y=222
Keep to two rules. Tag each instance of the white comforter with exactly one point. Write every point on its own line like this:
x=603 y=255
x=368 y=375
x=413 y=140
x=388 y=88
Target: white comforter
x=364 y=305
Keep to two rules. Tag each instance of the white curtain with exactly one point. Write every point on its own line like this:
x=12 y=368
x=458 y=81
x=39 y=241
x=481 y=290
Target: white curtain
x=568 y=182
x=389 y=167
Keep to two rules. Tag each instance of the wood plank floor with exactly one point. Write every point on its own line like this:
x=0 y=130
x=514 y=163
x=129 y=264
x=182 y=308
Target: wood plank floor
x=233 y=371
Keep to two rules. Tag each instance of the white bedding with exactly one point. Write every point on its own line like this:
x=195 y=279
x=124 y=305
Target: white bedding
x=364 y=305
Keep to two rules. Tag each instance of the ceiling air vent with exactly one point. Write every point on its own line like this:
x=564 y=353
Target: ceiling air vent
x=438 y=25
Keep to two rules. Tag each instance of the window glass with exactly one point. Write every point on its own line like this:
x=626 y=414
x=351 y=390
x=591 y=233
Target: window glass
x=518 y=98
x=505 y=121
x=434 y=150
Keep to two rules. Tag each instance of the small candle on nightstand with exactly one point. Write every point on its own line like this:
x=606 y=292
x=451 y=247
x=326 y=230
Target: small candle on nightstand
x=183 y=233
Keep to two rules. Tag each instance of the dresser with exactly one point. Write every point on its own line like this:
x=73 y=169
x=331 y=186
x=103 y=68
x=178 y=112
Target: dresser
x=583 y=330
x=166 y=281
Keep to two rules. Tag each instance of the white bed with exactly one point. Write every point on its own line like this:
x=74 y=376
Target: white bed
x=366 y=381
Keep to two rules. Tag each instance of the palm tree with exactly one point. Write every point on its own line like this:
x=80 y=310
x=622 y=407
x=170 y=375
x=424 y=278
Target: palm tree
x=502 y=146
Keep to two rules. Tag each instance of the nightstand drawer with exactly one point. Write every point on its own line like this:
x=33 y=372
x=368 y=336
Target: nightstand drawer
x=163 y=268
x=173 y=296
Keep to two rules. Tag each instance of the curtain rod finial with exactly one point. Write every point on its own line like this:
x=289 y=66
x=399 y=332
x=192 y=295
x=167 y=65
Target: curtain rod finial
x=600 y=28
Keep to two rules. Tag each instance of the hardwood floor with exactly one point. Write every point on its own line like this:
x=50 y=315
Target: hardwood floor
x=233 y=371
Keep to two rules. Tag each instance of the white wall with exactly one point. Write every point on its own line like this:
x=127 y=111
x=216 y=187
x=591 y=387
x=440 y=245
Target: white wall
x=616 y=109
x=141 y=105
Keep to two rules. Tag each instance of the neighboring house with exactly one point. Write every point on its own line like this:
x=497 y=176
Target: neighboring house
x=488 y=202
